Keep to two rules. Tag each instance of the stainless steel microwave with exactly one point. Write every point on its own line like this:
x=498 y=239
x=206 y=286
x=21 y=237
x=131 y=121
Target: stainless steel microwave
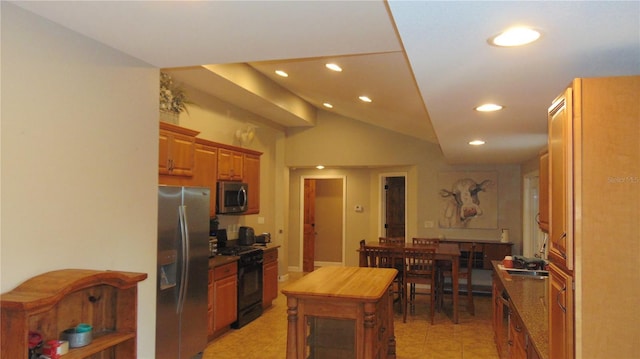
x=232 y=197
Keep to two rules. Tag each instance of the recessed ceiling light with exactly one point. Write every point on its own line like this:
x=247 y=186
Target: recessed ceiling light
x=282 y=73
x=489 y=107
x=327 y=105
x=515 y=36
x=476 y=143
x=333 y=67
x=320 y=167
x=364 y=99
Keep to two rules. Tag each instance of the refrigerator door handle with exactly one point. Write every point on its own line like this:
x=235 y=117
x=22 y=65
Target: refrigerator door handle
x=184 y=243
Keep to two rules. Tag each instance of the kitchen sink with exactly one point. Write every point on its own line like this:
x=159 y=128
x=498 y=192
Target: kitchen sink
x=540 y=274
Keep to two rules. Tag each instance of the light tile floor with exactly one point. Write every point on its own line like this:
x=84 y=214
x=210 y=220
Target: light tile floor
x=266 y=337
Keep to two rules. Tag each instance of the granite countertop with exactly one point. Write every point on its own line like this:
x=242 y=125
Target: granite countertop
x=217 y=261
x=530 y=298
x=267 y=246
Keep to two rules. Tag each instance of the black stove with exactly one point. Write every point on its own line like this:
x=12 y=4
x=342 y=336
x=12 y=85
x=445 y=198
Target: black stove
x=236 y=250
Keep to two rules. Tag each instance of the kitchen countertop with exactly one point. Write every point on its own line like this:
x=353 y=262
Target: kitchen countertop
x=530 y=298
x=267 y=247
x=217 y=261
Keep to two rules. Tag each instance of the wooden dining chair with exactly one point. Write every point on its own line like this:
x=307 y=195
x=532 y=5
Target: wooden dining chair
x=376 y=257
x=379 y=257
x=420 y=268
x=399 y=241
x=426 y=241
x=464 y=272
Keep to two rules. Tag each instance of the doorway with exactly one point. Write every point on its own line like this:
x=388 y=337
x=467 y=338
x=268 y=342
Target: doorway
x=533 y=238
x=323 y=218
x=393 y=205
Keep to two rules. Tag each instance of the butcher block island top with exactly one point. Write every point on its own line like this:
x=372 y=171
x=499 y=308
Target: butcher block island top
x=341 y=312
x=364 y=284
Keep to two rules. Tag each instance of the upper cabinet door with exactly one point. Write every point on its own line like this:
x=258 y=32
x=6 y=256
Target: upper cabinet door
x=176 y=151
x=560 y=176
x=230 y=165
x=252 y=178
x=206 y=170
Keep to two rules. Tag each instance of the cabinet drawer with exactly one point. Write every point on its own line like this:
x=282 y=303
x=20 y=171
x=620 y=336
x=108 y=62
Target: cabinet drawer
x=225 y=270
x=271 y=256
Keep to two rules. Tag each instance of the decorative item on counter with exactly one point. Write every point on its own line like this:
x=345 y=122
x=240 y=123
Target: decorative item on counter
x=507 y=262
x=78 y=336
x=504 y=236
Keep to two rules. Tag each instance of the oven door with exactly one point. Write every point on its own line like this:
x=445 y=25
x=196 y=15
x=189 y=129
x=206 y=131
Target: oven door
x=249 y=284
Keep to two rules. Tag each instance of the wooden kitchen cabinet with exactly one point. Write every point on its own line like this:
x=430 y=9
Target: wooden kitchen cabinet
x=185 y=160
x=595 y=190
x=561 y=178
x=206 y=170
x=52 y=302
x=500 y=319
x=269 y=277
x=230 y=165
x=517 y=336
x=224 y=294
x=251 y=176
x=176 y=150
x=543 y=189
x=210 y=296
x=560 y=313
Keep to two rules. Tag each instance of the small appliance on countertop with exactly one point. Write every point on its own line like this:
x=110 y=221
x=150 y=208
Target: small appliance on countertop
x=263 y=239
x=246 y=236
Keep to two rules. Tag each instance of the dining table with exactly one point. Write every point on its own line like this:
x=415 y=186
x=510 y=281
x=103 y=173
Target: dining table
x=449 y=252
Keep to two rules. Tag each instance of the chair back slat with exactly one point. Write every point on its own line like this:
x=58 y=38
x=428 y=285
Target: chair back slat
x=426 y=241
x=396 y=241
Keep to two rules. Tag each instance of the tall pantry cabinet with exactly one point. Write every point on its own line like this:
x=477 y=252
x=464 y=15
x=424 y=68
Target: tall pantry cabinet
x=594 y=229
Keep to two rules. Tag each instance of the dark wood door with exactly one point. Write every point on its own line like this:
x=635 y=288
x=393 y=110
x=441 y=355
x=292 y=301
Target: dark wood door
x=309 y=230
x=394 y=193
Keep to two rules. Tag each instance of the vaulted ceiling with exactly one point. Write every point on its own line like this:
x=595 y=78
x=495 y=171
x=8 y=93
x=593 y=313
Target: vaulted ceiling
x=425 y=64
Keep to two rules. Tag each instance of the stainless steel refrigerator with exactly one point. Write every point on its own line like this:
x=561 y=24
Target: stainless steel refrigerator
x=183 y=262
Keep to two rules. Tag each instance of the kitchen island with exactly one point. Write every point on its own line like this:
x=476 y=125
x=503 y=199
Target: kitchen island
x=341 y=312
x=524 y=301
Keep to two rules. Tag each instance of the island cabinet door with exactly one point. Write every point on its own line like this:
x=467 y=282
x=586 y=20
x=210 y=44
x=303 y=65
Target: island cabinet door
x=561 y=314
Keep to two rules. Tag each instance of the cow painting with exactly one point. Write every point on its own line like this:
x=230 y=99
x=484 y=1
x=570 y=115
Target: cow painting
x=461 y=203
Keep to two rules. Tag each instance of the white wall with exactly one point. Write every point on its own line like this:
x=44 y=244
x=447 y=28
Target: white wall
x=79 y=159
